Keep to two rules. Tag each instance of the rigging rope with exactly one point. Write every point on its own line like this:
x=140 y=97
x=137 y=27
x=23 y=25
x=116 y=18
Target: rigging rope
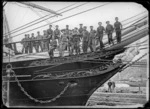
x=45 y=19
x=39 y=15
x=138 y=20
x=135 y=15
x=21 y=6
x=59 y=20
x=63 y=19
x=39 y=18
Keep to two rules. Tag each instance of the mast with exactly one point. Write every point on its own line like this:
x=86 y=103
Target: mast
x=6 y=29
x=40 y=7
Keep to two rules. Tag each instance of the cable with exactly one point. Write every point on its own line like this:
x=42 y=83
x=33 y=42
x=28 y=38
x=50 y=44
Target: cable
x=138 y=19
x=44 y=17
x=63 y=19
x=48 y=18
x=39 y=15
x=22 y=6
x=135 y=16
x=134 y=23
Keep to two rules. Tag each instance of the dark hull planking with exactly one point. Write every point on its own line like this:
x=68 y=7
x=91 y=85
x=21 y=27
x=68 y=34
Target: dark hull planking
x=45 y=89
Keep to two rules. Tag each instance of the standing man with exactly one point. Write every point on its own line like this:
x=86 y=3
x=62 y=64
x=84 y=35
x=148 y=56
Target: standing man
x=53 y=47
x=118 y=28
x=25 y=44
x=71 y=43
x=91 y=42
x=109 y=86
x=109 y=31
x=29 y=43
x=33 y=44
x=113 y=86
x=81 y=31
x=63 y=43
x=76 y=41
x=49 y=35
x=85 y=40
x=57 y=34
x=39 y=42
x=100 y=32
x=50 y=32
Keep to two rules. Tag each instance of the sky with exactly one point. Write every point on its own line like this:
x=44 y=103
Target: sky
x=19 y=14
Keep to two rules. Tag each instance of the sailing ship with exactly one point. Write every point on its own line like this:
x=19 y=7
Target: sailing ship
x=68 y=80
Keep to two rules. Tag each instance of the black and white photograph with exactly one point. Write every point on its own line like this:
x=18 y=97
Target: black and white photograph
x=75 y=54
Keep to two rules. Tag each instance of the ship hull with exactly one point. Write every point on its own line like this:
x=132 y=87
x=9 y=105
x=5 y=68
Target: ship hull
x=77 y=93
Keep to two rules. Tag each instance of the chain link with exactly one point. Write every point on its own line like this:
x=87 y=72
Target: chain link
x=36 y=100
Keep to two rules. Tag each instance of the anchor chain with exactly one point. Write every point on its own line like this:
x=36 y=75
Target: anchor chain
x=36 y=100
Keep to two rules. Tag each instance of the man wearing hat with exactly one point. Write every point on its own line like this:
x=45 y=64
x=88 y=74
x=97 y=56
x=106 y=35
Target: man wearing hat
x=76 y=41
x=80 y=31
x=33 y=44
x=57 y=33
x=25 y=44
x=71 y=43
x=91 y=41
x=53 y=46
x=118 y=28
x=38 y=43
x=63 y=43
x=85 y=39
x=29 y=43
x=100 y=32
x=109 y=31
x=50 y=32
x=49 y=35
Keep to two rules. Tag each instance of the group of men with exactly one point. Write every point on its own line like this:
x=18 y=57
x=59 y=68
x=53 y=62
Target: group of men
x=71 y=40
